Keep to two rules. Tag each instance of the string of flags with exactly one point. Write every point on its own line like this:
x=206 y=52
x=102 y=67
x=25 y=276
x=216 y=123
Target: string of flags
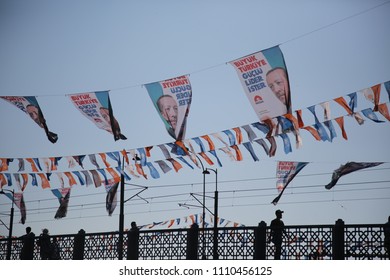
x=187 y=221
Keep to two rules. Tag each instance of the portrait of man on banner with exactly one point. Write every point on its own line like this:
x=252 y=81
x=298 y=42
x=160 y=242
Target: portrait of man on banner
x=264 y=78
x=172 y=100
x=96 y=106
x=30 y=106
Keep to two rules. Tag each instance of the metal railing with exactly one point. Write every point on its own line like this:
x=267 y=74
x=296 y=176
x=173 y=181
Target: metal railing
x=337 y=241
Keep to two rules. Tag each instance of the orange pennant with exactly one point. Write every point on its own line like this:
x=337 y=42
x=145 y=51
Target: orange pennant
x=341 y=101
x=124 y=154
x=140 y=171
x=340 y=122
x=238 y=153
x=114 y=175
x=44 y=180
x=147 y=150
x=3 y=164
x=377 y=93
x=299 y=117
x=104 y=158
x=238 y=135
x=33 y=166
x=313 y=132
x=181 y=145
x=177 y=166
x=210 y=142
x=72 y=181
x=206 y=158
x=382 y=108
x=3 y=181
x=25 y=180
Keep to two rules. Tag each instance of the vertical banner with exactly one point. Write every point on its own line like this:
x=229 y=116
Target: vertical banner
x=285 y=173
x=172 y=100
x=30 y=106
x=96 y=106
x=63 y=195
x=264 y=78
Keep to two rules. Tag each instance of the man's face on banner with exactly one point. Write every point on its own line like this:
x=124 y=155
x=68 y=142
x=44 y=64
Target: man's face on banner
x=168 y=109
x=33 y=112
x=278 y=83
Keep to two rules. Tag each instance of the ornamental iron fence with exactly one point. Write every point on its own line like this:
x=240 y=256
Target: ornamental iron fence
x=309 y=242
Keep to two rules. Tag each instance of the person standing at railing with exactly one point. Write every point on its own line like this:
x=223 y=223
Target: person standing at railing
x=277 y=231
x=28 y=241
x=386 y=230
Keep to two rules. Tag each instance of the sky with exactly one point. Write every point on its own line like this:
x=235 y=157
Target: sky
x=332 y=48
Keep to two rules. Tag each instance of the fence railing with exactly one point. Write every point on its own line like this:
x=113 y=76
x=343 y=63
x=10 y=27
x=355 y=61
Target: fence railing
x=336 y=241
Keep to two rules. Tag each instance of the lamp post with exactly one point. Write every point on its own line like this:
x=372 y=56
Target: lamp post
x=11 y=223
x=122 y=208
x=215 y=227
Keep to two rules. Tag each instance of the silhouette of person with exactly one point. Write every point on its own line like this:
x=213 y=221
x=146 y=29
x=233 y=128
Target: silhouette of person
x=169 y=111
x=277 y=81
x=28 y=240
x=386 y=230
x=133 y=240
x=45 y=244
x=105 y=112
x=277 y=231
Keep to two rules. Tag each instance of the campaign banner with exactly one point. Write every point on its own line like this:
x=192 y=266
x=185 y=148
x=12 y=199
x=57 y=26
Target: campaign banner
x=30 y=106
x=264 y=78
x=285 y=173
x=96 y=106
x=172 y=100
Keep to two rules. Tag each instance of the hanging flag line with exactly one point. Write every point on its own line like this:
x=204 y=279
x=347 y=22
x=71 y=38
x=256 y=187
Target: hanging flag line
x=187 y=221
x=110 y=175
x=287 y=123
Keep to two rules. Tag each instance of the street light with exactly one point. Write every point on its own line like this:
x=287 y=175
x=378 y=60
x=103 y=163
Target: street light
x=215 y=236
x=11 y=223
x=122 y=206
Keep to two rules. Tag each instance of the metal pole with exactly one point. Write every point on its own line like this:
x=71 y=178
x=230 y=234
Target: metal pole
x=121 y=215
x=215 y=239
x=204 y=215
x=11 y=224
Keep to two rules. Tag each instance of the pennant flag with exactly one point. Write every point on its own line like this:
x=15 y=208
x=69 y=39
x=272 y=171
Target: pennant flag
x=17 y=198
x=88 y=180
x=264 y=78
x=30 y=106
x=340 y=122
x=251 y=134
x=44 y=181
x=177 y=166
x=387 y=87
x=164 y=150
x=111 y=197
x=164 y=166
x=81 y=180
x=286 y=143
x=96 y=178
x=153 y=171
x=332 y=131
x=63 y=197
x=172 y=100
x=214 y=153
x=262 y=143
x=382 y=108
x=250 y=149
x=285 y=173
x=230 y=135
x=93 y=160
x=96 y=106
x=370 y=114
x=348 y=168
